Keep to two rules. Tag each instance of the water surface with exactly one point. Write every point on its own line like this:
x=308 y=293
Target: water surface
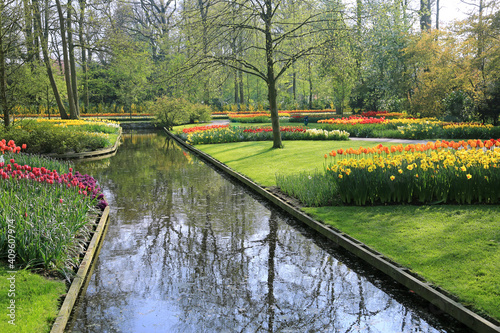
x=188 y=250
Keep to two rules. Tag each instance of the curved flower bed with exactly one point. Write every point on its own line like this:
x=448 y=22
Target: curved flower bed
x=444 y=171
x=226 y=133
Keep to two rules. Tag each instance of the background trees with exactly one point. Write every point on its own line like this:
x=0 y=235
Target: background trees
x=241 y=54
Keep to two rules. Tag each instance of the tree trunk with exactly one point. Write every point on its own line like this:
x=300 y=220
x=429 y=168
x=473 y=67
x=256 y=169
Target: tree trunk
x=43 y=35
x=236 y=101
x=240 y=79
x=271 y=79
x=67 y=69
x=72 y=62
x=425 y=15
x=437 y=14
x=84 y=56
x=310 y=87
x=3 y=80
x=480 y=37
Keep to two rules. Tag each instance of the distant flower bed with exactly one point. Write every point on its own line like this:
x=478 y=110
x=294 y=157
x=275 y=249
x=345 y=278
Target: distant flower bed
x=84 y=115
x=266 y=112
x=410 y=128
x=255 y=117
x=226 y=133
x=202 y=128
x=441 y=171
x=353 y=120
x=385 y=114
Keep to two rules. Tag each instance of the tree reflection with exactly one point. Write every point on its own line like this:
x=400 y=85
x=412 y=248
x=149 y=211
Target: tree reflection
x=188 y=251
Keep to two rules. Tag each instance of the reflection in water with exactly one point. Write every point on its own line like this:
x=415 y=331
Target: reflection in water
x=189 y=251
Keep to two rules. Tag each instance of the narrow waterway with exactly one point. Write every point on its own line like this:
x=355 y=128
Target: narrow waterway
x=188 y=250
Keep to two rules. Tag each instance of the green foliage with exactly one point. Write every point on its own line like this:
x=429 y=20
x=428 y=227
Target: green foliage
x=312 y=189
x=170 y=112
x=252 y=120
x=200 y=113
x=458 y=106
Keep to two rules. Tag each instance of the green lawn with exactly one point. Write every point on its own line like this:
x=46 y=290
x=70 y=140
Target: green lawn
x=455 y=247
x=36 y=301
x=257 y=160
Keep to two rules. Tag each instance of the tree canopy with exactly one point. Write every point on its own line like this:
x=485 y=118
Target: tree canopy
x=78 y=56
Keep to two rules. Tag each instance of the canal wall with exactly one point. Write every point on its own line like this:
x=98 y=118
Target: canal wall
x=439 y=298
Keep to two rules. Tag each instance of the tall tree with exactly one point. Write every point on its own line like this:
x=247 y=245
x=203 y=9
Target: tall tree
x=9 y=42
x=270 y=34
x=42 y=29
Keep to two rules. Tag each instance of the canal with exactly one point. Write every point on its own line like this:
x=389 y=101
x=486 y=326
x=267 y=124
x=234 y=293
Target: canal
x=189 y=250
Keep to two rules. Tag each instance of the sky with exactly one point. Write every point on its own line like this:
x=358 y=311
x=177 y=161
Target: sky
x=452 y=10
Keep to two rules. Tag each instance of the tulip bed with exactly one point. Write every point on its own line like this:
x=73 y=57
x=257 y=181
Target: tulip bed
x=47 y=211
x=410 y=128
x=226 y=133
x=440 y=172
x=258 y=117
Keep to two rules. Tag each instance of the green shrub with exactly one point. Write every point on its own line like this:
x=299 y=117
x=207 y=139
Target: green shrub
x=170 y=112
x=200 y=113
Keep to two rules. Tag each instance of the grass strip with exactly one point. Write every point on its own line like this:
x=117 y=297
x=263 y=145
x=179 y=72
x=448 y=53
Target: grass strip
x=260 y=162
x=454 y=247
x=36 y=301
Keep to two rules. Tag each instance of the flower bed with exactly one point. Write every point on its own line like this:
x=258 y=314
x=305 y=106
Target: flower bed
x=259 y=117
x=62 y=136
x=353 y=120
x=219 y=113
x=311 y=118
x=440 y=172
x=51 y=230
x=385 y=114
x=410 y=128
x=226 y=133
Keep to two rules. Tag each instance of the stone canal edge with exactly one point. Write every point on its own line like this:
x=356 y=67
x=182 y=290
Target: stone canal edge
x=91 y=254
x=85 y=267
x=432 y=294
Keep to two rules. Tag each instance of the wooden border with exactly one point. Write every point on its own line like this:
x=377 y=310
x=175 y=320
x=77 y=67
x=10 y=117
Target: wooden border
x=70 y=299
x=374 y=258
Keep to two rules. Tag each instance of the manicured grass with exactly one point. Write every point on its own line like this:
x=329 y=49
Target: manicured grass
x=259 y=161
x=37 y=301
x=454 y=247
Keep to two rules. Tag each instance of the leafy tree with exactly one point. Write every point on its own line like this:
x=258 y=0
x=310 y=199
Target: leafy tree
x=129 y=69
x=383 y=82
x=339 y=60
x=274 y=40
